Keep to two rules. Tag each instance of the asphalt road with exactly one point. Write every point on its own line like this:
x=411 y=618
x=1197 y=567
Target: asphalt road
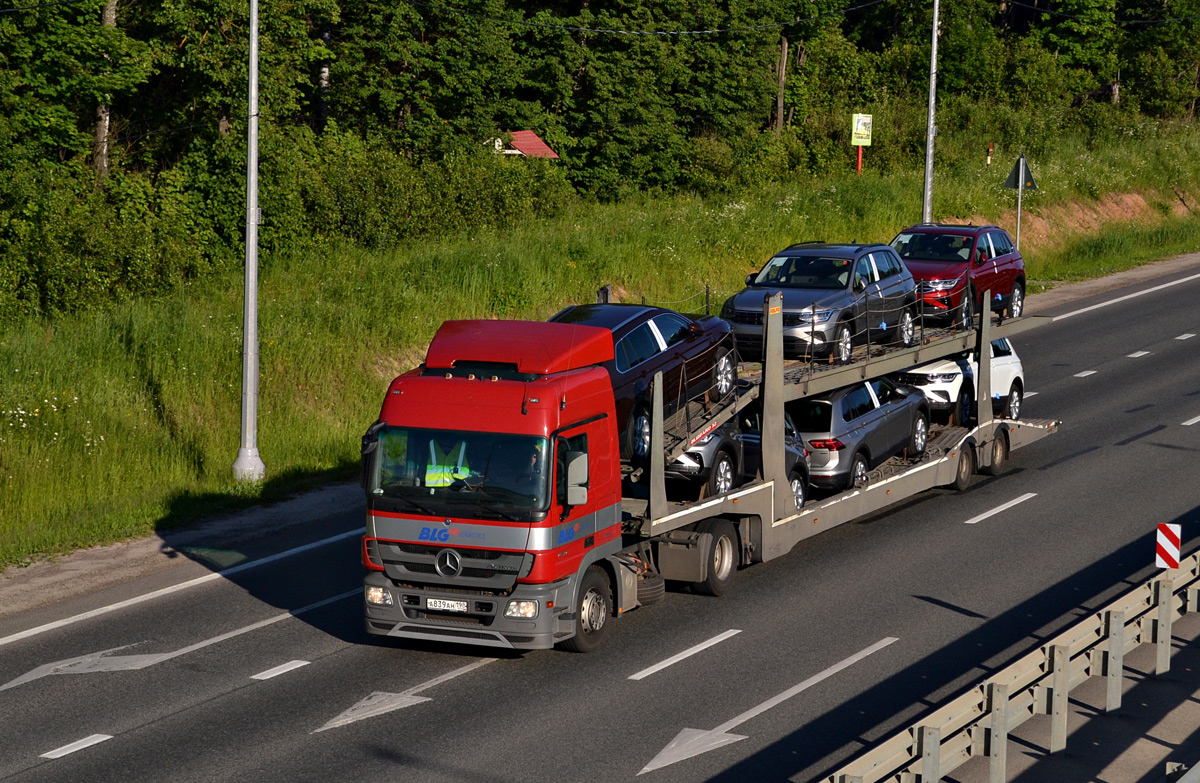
x=266 y=674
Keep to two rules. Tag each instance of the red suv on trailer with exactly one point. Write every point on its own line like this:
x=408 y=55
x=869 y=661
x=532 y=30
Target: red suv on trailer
x=948 y=260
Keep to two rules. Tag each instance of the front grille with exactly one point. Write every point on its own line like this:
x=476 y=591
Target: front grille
x=913 y=378
x=754 y=319
x=432 y=550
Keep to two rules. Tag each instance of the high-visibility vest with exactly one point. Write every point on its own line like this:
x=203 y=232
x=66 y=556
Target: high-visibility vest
x=441 y=472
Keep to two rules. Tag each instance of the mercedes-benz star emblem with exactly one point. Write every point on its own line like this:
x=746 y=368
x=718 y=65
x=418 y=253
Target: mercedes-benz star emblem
x=448 y=563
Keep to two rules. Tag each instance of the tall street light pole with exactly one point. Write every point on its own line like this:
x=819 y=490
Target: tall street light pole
x=249 y=466
x=930 y=126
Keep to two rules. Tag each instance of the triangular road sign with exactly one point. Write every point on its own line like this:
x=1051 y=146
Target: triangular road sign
x=1014 y=176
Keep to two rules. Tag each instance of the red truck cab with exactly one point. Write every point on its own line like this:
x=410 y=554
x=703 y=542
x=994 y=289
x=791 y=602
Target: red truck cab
x=493 y=484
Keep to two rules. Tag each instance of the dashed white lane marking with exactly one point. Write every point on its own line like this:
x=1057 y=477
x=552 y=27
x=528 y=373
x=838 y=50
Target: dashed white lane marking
x=176 y=588
x=644 y=673
x=1085 y=373
x=67 y=750
x=1136 y=354
x=1185 y=336
x=1127 y=296
x=1190 y=422
x=1030 y=394
x=278 y=670
x=998 y=509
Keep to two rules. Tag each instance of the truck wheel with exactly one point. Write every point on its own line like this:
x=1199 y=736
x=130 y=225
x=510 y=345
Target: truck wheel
x=721 y=477
x=724 y=376
x=843 y=344
x=999 y=454
x=920 y=435
x=722 y=557
x=651 y=589
x=966 y=467
x=592 y=612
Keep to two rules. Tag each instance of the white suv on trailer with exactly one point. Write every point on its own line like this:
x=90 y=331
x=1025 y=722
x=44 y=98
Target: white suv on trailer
x=949 y=384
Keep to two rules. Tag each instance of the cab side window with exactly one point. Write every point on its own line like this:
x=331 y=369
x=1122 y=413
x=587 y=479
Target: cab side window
x=636 y=347
x=857 y=403
x=561 y=447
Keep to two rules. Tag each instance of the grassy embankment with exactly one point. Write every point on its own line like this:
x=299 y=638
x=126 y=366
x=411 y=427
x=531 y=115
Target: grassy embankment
x=118 y=423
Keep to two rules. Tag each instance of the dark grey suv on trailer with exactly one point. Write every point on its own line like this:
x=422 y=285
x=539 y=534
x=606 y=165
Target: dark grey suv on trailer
x=834 y=296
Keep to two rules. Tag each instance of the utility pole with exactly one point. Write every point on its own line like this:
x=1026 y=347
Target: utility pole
x=249 y=466
x=930 y=126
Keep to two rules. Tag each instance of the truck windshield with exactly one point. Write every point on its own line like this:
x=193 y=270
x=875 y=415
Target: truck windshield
x=441 y=471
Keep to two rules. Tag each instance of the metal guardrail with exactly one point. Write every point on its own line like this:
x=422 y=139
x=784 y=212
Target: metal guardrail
x=977 y=723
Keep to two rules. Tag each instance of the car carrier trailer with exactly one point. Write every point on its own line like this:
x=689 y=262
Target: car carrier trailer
x=560 y=574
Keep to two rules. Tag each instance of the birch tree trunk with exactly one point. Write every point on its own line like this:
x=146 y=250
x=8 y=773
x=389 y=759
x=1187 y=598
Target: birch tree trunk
x=782 y=73
x=108 y=18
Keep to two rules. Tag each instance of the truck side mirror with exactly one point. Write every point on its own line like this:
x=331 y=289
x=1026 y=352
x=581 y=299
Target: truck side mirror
x=370 y=444
x=577 y=478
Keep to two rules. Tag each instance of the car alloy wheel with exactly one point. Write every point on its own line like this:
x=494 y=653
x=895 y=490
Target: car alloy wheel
x=845 y=343
x=724 y=374
x=908 y=328
x=1013 y=410
x=1017 y=305
x=798 y=491
x=641 y=433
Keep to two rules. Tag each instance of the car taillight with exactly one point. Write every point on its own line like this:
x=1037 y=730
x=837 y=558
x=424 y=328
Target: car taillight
x=370 y=554
x=833 y=444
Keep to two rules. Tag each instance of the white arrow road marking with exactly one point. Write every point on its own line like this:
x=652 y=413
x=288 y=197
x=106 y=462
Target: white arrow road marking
x=1085 y=373
x=67 y=750
x=102 y=662
x=1137 y=354
x=278 y=670
x=228 y=572
x=379 y=703
x=693 y=742
x=998 y=509
x=644 y=673
x=1190 y=422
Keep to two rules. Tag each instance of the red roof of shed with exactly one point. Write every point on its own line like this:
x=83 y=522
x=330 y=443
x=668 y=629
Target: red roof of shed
x=534 y=346
x=529 y=144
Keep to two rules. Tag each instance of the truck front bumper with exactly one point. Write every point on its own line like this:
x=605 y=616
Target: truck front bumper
x=483 y=622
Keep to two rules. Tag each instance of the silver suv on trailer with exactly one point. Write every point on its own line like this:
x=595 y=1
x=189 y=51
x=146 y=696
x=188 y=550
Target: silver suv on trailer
x=834 y=296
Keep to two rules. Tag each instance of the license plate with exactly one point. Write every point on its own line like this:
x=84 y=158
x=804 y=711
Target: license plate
x=442 y=605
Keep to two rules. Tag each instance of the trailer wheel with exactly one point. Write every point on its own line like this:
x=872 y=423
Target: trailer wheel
x=592 y=612
x=999 y=454
x=966 y=467
x=722 y=557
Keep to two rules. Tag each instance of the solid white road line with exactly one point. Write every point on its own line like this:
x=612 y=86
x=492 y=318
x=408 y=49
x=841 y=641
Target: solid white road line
x=1127 y=296
x=176 y=588
x=67 y=750
x=1136 y=354
x=1000 y=508
x=644 y=673
x=278 y=670
x=1190 y=422
x=1085 y=373
x=1185 y=336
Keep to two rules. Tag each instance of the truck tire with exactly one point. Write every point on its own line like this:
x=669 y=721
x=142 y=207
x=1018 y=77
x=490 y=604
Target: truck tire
x=651 y=589
x=723 y=554
x=966 y=467
x=593 y=609
x=999 y=454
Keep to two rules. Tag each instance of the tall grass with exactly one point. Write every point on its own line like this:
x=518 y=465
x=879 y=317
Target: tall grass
x=118 y=423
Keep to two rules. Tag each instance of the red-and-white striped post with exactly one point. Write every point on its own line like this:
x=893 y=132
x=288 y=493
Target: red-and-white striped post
x=1167 y=546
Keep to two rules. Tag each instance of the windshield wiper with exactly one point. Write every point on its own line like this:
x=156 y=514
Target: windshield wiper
x=418 y=506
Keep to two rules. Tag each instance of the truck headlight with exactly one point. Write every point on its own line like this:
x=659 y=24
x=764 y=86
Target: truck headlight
x=525 y=610
x=379 y=596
